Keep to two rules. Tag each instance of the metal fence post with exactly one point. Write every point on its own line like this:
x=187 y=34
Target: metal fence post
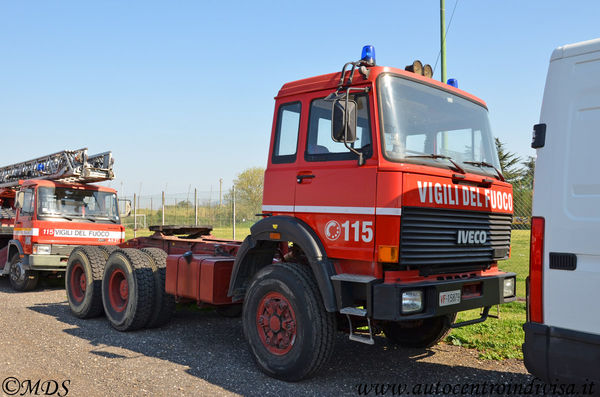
x=195 y=207
x=163 y=207
x=233 y=194
x=135 y=205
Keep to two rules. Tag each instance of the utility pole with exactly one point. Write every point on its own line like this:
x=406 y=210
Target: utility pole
x=220 y=192
x=443 y=38
x=195 y=206
x=233 y=220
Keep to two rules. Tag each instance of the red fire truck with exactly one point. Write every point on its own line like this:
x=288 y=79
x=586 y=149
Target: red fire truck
x=383 y=210
x=48 y=207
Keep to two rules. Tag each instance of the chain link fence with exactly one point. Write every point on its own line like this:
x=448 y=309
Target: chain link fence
x=522 y=201
x=192 y=208
x=206 y=208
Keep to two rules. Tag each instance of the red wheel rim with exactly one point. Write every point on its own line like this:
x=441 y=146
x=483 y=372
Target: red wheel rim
x=276 y=323
x=78 y=282
x=118 y=290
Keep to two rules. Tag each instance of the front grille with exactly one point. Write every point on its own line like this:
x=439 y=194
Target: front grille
x=428 y=239
x=61 y=249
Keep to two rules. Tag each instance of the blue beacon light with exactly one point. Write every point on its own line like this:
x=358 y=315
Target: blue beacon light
x=452 y=82
x=368 y=55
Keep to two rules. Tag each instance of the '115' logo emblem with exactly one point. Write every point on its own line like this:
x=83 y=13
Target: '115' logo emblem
x=351 y=231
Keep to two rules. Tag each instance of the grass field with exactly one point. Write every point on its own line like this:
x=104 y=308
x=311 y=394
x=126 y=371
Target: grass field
x=495 y=339
x=500 y=338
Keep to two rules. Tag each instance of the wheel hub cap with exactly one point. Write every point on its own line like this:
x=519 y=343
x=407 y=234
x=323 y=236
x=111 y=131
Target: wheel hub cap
x=276 y=323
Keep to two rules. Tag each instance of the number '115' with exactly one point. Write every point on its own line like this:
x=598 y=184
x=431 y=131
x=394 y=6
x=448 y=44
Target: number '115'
x=365 y=233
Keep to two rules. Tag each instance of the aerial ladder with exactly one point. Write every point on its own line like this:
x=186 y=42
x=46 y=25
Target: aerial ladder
x=67 y=166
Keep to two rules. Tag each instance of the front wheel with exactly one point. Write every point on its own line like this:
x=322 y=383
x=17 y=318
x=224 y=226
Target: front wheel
x=20 y=278
x=419 y=333
x=291 y=335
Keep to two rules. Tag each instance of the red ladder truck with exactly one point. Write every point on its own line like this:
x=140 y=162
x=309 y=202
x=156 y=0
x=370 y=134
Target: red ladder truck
x=383 y=210
x=48 y=207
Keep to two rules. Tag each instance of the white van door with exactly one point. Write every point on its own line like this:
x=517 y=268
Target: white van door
x=567 y=188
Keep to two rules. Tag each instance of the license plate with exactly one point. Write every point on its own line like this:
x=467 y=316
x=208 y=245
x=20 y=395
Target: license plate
x=449 y=298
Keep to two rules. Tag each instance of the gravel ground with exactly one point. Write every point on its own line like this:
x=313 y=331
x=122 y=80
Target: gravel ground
x=200 y=353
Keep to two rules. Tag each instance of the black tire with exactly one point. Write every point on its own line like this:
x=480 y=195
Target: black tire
x=20 y=279
x=419 y=333
x=312 y=340
x=107 y=250
x=230 y=311
x=85 y=266
x=127 y=270
x=164 y=303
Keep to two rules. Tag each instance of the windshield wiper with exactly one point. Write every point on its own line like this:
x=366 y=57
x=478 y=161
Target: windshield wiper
x=56 y=216
x=484 y=164
x=438 y=156
x=89 y=218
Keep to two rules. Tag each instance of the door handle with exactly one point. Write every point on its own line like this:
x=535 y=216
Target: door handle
x=300 y=178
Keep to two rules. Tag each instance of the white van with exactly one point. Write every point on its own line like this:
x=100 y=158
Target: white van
x=562 y=333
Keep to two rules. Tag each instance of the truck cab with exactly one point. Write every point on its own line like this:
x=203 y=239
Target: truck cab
x=45 y=218
x=385 y=184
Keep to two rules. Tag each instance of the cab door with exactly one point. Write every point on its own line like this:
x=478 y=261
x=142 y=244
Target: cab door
x=278 y=194
x=24 y=229
x=334 y=195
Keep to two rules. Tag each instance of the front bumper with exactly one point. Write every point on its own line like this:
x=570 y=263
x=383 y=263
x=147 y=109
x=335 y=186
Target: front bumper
x=47 y=262
x=387 y=298
x=557 y=354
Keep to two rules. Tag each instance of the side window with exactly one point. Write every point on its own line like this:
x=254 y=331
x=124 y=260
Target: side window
x=286 y=133
x=28 y=201
x=320 y=146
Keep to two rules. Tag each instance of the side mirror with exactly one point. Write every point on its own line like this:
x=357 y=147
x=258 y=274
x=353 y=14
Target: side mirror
x=124 y=208
x=20 y=199
x=343 y=125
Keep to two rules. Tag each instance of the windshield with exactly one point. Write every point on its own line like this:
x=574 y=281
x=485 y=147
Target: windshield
x=420 y=121
x=77 y=203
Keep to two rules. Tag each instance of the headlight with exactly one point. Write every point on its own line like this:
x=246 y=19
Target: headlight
x=42 y=249
x=509 y=287
x=412 y=301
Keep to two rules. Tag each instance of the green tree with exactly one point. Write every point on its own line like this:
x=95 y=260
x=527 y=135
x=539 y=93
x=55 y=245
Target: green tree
x=248 y=193
x=528 y=170
x=509 y=163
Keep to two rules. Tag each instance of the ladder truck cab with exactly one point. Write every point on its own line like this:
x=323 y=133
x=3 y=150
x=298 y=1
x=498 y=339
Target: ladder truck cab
x=383 y=210
x=48 y=206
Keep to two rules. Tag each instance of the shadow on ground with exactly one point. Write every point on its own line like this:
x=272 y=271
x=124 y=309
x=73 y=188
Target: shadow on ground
x=213 y=348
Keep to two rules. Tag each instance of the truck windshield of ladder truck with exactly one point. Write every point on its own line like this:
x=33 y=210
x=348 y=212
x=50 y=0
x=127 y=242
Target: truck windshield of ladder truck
x=426 y=125
x=77 y=204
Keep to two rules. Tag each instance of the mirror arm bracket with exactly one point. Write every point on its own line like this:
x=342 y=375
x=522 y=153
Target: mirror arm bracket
x=361 y=157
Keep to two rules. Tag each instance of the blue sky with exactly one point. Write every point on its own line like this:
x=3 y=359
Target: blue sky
x=182 y=92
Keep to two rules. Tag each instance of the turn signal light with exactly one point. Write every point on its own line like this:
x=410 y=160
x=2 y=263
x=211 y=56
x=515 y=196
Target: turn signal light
x=275 y=236
x=388 y=253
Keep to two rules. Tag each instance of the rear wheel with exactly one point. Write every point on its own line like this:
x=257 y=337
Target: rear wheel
x=419 y=333
x=164 y=303
x=107 y=250
x=20 y=278
x=290 y=333
x=83 y=281
x=127 y=289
